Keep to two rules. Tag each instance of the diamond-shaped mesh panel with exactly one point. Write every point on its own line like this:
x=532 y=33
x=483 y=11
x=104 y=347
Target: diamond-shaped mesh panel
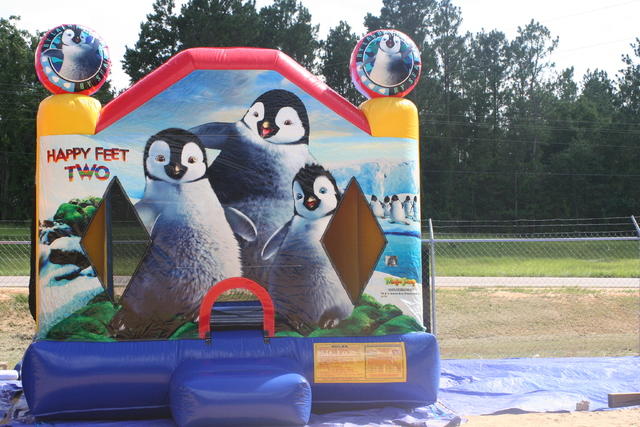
x=354 y=240
x=115 y=240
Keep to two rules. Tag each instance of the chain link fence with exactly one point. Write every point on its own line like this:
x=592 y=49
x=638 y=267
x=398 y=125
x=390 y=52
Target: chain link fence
x=587 y=252
x=15 y=253
x=593 y=252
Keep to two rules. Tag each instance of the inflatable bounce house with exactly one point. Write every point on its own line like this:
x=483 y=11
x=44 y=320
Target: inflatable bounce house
x=229 y=241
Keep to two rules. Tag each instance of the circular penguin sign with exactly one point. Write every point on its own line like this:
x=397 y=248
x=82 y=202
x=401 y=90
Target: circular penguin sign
x=72 y=59
x=385 y=63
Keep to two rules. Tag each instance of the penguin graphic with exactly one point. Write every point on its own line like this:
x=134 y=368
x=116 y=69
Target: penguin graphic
x=389 y=68
x=386 y=206
x=416 y=209
x=407 y=206
x=397 y=211
x=191 y=248
x=260 y=154
x=80 y=59
x=376 y=207
x=305 y=288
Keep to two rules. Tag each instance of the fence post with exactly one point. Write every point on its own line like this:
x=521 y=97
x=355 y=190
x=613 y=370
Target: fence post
x=635 y=223
x=432 y=273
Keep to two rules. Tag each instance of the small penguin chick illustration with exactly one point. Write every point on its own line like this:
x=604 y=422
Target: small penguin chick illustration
x=302 y=282
x=397 y=211
x=376 y=207
x=388 y=67
x=80 y=60
x=191 y=248
x=408 y=207
x=386 y=205
x=260 y=154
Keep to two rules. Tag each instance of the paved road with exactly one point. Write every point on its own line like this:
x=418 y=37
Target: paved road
x=537 y=282
x=462 y=282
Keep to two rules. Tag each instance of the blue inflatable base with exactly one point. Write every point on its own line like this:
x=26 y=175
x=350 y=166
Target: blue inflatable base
x=239 y=392
x=125 y=380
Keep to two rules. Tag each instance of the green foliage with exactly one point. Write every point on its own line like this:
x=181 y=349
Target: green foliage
x=21 y=93
x=77 y=213
x=187 y=331
x=368 y=318
x=284 y=24
x=398 y=325
x=77 y=325
x=334 y=61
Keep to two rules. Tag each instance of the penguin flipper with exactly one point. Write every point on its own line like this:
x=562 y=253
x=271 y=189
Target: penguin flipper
x=274 y=242
x=241 y=224
x=215 y=134
x=53 y=53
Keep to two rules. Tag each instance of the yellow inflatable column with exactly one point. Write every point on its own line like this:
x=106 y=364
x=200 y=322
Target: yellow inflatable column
x=392 y=117
x=65 y=114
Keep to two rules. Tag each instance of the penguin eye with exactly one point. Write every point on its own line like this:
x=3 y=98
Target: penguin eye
x=191 y=159
x=288 y=122
x=160 y=158
x=323 y=190
x=255 y=114
x=299 y=196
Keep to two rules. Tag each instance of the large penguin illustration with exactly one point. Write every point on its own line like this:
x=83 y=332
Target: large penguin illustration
x=302 y=282
x=80 y=59
x=388 y=67
x=191 y=248
x=260 y=155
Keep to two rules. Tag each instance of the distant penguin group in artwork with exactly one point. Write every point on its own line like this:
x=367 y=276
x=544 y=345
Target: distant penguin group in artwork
x=395 y=211
x=305 y=288
x=191 y=249
x=80 y=58
x=259 y=156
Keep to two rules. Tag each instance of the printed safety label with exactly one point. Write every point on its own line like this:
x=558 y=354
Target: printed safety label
x=359 y=362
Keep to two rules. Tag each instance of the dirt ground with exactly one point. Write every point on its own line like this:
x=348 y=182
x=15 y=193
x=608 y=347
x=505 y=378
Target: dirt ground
x=613 y=418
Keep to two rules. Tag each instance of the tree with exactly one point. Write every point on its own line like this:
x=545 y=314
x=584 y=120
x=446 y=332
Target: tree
x=412 y=17
x=156 y=43
x=21 y=94
x=286 y=25
x=217 y=23
x=335 y=58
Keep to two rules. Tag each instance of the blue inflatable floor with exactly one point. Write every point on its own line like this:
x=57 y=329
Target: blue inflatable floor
x=467 y=387
x=482 y=387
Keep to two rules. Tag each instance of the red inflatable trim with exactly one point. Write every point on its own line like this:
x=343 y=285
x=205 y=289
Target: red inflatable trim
x=235 y=58
x=268 y=310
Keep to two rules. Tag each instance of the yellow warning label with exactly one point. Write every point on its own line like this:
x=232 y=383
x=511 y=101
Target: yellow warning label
x=359 y=362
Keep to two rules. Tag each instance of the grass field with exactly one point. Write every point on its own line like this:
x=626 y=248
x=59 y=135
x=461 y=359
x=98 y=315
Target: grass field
x=472 y=323
x=532 y=259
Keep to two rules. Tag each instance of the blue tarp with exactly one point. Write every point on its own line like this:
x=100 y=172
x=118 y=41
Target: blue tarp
x=481 y=387
x=467 y=387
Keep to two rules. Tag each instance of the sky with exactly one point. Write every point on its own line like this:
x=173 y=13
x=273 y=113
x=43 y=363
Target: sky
x=593 y=33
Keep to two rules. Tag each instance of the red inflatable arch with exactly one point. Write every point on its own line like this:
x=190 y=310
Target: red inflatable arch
x=268 y=323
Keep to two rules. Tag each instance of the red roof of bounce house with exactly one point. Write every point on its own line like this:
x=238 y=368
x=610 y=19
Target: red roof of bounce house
x=236 y=58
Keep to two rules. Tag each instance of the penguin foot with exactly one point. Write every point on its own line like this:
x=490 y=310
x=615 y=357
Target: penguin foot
x=299 y=325
x=329 y=323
